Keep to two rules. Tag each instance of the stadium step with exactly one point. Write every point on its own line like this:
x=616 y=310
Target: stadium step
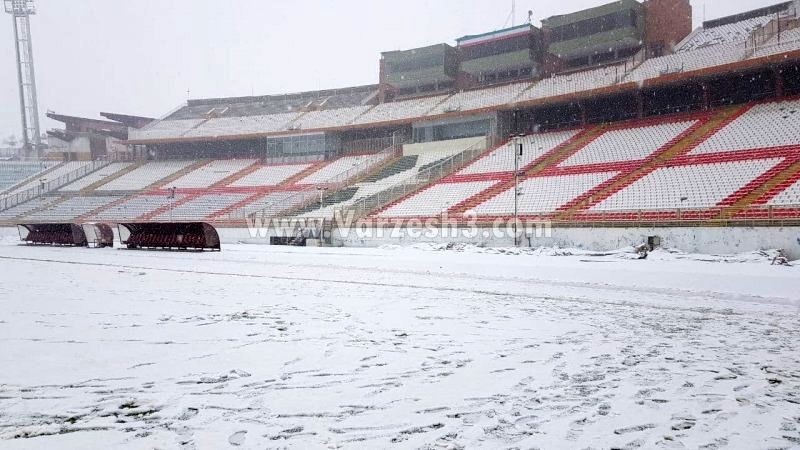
x=677 y=147
x=103 y=181
x=760 y=190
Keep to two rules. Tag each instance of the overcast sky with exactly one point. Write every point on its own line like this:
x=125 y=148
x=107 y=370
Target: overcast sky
x=144 y=57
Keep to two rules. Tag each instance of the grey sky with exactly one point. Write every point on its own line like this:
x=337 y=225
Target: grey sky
x=141 y=56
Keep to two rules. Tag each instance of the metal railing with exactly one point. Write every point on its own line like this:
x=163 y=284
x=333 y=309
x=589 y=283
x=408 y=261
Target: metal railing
x=42 y=188
x=425 y=177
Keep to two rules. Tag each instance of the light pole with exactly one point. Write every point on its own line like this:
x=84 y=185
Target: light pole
x=321 y=190
x=171 y=199
x=518 y=148
x=21 y=10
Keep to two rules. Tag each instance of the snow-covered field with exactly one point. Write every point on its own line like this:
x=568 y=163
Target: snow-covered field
x=263 y=347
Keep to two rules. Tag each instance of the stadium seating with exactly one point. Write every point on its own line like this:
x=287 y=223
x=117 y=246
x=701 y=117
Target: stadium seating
x=723 y=34
x=541 y=195
x=329 y=118
x=95 y=177
x=627 y=144
x=70 y=209
x=25 y=208
x=788 y=40
x=60 y=171
x=435 y=199
x=145 y=176
x=165 y=129
x=481 y=98
x=789 y=197
x=419 y=157
x=233 y=126
x=269 y=200
x=574 y=82
x=688 y=61
x=212 y=173
x=535 y=146
x=14 y=172
x=201 y=207
x=765 y=125
x=270 y=175
x=405 y=109
x=686 y=187
x=335 y=169
x=134 y=207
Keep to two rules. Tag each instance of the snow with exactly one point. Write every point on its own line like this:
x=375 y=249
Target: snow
x=433 y=346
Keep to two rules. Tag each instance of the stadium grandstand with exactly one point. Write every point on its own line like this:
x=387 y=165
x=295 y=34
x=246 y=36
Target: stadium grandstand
x=624 y=114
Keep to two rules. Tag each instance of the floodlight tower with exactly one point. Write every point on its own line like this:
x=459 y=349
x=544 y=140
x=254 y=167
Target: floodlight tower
x=20 y=11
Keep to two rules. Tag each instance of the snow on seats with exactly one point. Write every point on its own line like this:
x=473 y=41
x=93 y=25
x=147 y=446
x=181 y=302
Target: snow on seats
x=146 y=175
x=765 y=125
x=690 y=186
x=540 y=195
x=212 y=173
x=627 y=144
x=436 y=199
x=502 y=158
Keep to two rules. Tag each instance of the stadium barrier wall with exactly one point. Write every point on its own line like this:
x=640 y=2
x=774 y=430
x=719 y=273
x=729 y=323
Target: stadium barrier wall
x=729 y=240
x=169 y=235
x=706 y=240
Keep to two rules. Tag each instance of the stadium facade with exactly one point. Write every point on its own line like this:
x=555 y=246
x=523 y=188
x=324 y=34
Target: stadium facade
x=616 y=116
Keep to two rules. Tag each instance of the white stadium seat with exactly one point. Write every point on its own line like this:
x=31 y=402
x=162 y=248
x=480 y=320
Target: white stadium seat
x=271 y=175
x=335 y=169
x=765 y=125
x=134 y=207
x=627 y=144
x=789 y=197
x=542 y=194
x=145 y=176
x=71 y=208
x=724 y=34
x=202 y=206
x=95 y=177
x=502 y=159
x=212 y=173
x=692 y=186
x=436 y=199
